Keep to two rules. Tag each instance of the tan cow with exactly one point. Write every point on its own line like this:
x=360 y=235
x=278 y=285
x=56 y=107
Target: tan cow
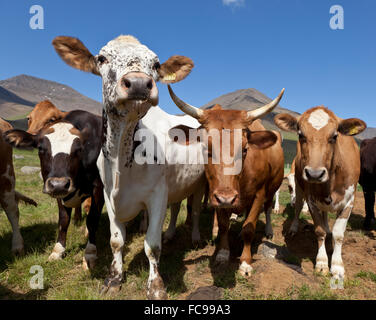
x=44 y=114
x=327 y=170
x=252 y=187
x=9 y=197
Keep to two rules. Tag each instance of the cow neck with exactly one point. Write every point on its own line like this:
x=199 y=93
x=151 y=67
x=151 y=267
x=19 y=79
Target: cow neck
x=119 y=127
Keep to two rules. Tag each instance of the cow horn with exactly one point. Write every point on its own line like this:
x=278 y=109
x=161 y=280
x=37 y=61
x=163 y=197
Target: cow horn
x=258 y=113
x=185 y=107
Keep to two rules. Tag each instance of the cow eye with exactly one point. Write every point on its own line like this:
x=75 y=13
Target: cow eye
x=102 y=59
x=157 y=66
x=302 y=137
x=333 y=138
x=52 y=120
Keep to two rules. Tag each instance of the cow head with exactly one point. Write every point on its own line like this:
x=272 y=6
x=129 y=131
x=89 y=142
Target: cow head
x=60 y=152
x=319 y=130
x=129 y=70
x=217 y=123
x=43 y=114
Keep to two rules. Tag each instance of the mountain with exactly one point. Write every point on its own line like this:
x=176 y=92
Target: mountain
x=18 y=96
x=249 y=99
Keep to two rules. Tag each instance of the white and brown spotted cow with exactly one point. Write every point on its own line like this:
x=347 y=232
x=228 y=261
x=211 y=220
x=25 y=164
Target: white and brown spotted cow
x=129 y=72
x=9 y=197
x=327 y=168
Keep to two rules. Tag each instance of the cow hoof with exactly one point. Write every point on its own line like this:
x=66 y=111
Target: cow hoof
x=156 y=290
x=337 y=271
x=322 y=268
x=90 y=256
x=294 y=229
x=245 y=269
x=18 y=251
x=196 y=239
x=168 y=236
x=110 y=287
x=223 y=256
x=57 y=252
x=269 y=236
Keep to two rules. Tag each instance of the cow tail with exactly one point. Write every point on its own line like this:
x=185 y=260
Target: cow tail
x=24 y=199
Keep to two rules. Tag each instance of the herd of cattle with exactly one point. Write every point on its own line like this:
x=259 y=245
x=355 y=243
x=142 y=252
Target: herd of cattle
x=84 y=157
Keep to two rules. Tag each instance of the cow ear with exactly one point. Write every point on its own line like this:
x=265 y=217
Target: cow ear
x=20 y=139
x=351 y=127
x=75 y=54
x=262 y=139
x=175 y=69
x=286 y=122
x=184 y=135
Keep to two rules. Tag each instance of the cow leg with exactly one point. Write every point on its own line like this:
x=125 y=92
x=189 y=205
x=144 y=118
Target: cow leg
x=92 y=222
x=196 y=210
x=64 y=220
x=188 y=221
x=268 y=226
x=10 y=206
x=298 y=208
x=170 y=232
x=276 y=204
x=157 y=207
x=112 y=284
x=77 y=215
x=305 y=207
x=369 y=198
x=337 y=268
x=223 y=254
x=318 y=217
x=248 y=233
x=215 y=225
x=144 y=222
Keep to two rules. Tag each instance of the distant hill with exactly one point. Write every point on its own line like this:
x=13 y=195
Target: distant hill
x=18 y=96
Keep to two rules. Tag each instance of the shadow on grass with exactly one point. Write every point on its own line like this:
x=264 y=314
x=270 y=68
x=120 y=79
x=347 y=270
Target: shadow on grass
x=7 y=294
x=36 y=237
x=303 y=245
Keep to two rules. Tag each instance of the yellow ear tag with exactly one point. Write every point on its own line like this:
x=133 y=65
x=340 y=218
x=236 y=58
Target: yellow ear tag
x=170 y=77
x=353 y=131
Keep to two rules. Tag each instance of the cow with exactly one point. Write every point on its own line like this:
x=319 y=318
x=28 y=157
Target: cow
x=368 y=178
x=129 y=72
x=68 y=151
x=327 y=168
x=259 y=175
x=9 y=197
x=292 y=187
x=43 y=114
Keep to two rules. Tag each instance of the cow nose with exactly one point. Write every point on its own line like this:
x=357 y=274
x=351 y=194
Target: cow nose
x=315 y=175
x=226 y=199
x=58 y=186
x=138 y=88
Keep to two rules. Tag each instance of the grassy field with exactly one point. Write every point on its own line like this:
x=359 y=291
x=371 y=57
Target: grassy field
x=183 y=268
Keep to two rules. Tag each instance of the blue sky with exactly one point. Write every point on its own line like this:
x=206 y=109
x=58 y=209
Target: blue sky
x=235 y=44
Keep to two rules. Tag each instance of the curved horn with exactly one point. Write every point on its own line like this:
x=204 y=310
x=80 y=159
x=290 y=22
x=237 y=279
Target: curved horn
x=185 y=107
x=258 y=113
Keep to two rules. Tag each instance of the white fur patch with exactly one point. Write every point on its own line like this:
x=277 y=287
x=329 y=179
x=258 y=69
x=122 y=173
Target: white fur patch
x=318 y=119
x=61 y=139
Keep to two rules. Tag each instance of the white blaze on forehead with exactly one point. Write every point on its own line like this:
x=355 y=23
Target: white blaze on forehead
x=61 y=139
x=318 y=119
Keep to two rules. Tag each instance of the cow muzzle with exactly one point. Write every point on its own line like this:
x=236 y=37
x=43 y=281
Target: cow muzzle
x=58 y=187
x=225 y=199
x=138 y=86
x=315 y=175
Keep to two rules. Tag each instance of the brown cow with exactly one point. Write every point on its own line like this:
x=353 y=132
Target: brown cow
x=44 y=114
x=327 y=170
x=9 y=197
x=253 y=185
